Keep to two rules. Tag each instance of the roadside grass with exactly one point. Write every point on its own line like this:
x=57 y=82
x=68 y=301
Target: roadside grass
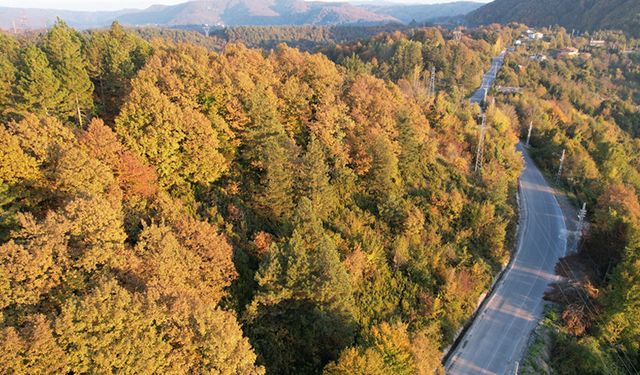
x=536 y=360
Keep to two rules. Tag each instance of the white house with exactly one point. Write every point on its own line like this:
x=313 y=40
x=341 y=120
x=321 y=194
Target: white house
x=538 y=58
x=534 y=35
x=569 y=52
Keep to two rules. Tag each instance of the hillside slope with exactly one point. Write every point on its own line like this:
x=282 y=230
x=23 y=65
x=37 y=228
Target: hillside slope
x=572 y=14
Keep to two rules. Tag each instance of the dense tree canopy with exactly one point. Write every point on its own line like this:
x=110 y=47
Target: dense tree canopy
x=165 y=208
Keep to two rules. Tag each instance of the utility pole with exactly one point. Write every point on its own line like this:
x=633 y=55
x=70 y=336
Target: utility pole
x=515 y=370
x=79 y=114
x=484 y=98
x=529 y=132
x=480 y=150
x=581 y=216
x=206 y=29
x=432 y=82
x=561 y=166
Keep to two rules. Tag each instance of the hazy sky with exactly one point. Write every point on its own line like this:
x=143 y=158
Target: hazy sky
x=120 y=4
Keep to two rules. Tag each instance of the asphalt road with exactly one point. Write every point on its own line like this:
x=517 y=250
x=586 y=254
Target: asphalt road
x=488 y=78
x=497 y=338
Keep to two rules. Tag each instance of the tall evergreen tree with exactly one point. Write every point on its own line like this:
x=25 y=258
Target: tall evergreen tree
x=8 y=51
x=301 y=319
x=63 y=47
x=307 y=266
x=275 y=195
x=114 y=57
x=265 y=155
x=7 y=76
x=407 y=56
x=37 y=89
x=314 y=182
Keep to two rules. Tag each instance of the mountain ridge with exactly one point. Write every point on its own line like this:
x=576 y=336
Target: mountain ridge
x=240 y=12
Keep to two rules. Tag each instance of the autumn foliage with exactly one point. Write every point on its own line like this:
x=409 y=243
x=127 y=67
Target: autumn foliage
x=179 y=210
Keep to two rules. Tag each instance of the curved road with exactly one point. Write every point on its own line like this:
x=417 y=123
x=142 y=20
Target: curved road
x=497 y=337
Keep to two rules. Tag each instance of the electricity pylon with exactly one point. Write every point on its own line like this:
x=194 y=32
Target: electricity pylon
x=432 y=82
x=581 y=216
x=480 y=150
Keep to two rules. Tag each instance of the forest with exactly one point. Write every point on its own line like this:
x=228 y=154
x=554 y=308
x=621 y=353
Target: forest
x=165 y=208
x=585 y=106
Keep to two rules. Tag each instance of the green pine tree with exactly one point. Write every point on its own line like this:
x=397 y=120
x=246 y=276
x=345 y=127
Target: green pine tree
x=314 y=182
x=37 y=89
x=7 y=76
x=63 y=47
x=8 y=53
x=307 y=266
x=114 y=57
x=266 y=155
x=301 y=318
x=275 y=197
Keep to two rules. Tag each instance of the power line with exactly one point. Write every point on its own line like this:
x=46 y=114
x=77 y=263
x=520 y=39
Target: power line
x=581 y=216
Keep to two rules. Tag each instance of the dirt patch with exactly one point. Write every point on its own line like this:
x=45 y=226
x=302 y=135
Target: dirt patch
x=577 y=284
x=575 y=294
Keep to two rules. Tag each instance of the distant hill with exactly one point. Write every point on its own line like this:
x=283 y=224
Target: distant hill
x=254 y=12
x=239 y=12
x=407 y=13
x=572 y=14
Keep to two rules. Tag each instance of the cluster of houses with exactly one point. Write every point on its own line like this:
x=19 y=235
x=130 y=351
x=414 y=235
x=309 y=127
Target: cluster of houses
x=568 y=52
x=529 y=35
x=571 y=52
